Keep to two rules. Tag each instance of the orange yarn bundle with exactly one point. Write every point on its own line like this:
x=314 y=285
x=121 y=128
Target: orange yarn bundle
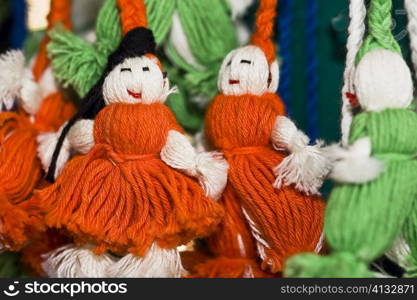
x=132 y=14
x=121 y=196
x=20 y=168
x=266 y=222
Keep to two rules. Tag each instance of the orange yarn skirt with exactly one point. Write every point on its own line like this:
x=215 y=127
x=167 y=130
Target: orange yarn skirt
x=125 y=203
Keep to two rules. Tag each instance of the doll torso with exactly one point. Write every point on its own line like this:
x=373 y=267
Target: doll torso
x=389 y=132
x=242 y=121
x=134 y=128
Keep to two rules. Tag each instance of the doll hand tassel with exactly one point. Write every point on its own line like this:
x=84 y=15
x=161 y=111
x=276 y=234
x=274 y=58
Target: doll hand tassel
x=208 y=167
x=46 y=146
x=306 y=166
x=354 y=164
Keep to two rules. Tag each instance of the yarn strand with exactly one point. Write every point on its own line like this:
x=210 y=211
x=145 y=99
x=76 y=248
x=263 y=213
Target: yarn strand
x=357 y=13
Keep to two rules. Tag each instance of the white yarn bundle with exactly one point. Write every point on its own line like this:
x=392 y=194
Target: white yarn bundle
x=208 y=167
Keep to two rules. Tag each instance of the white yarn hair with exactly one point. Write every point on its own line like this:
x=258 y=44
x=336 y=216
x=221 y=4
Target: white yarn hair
x=356 y=30
x=400 y=252
x=383 y=80
x=210 y=168
x=306 y=167
x=72 y=261
x=411 y=6
x=157 y=263
x=16 y=82
x=81 y=136
x=46 y=147
x=354 y=164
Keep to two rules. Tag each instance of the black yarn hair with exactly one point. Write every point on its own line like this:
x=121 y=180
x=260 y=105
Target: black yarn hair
x=137 y=42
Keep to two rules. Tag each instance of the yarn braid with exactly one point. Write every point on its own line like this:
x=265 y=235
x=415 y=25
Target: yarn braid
x=60 y=11
x=357 y=13
x=265 y=28
x=379 y=29
x=132 y=14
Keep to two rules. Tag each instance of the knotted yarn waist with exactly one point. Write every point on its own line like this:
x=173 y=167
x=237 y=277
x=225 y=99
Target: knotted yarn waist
x=229 y=153
x=116 y=157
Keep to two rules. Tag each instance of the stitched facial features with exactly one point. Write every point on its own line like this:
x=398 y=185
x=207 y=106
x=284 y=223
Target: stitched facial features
x=136 y=80
x=246 y=71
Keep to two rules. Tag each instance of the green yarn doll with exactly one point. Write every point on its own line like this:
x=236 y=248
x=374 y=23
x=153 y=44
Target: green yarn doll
x=377 y=171
x=204 y=28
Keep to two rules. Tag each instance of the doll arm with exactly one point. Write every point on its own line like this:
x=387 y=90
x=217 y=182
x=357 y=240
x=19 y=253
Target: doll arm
x=209 y=168
x=80 y=138
x=306 y=166
x=354 y=164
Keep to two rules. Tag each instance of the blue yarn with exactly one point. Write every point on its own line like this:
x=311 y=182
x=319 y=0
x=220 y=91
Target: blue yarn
x=311 y=72
x=18 y=30
x=284 y=40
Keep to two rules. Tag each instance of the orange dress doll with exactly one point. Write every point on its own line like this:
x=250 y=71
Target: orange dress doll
x=271 y=203
x=132 y=193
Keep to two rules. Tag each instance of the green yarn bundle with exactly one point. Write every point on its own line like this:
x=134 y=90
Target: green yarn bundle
x=210 y=35
x=410 y=235
x=364 y=219
x=79 y=64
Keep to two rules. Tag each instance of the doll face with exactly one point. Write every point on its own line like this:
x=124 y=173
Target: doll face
x=246 y=71
x=136 y=80
x=383 y=80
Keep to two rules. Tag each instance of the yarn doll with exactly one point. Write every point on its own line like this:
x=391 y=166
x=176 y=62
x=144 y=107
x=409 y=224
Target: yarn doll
x=201 y=31
x=375 y=172
x=404 y=251
x=31 y=104
x=131 y=193
x=272 y=210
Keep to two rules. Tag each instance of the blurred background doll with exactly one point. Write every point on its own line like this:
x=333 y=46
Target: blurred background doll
x=271 y=203
x=31 y=104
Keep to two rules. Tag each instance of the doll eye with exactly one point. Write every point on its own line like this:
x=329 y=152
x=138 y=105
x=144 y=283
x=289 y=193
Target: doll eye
x=229 y=63
x=126 y=70
x=245 y=61
x=145 y=69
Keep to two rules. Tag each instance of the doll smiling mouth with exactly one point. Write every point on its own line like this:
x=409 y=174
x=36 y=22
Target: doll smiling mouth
x=234 y=81
x=134 y=95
